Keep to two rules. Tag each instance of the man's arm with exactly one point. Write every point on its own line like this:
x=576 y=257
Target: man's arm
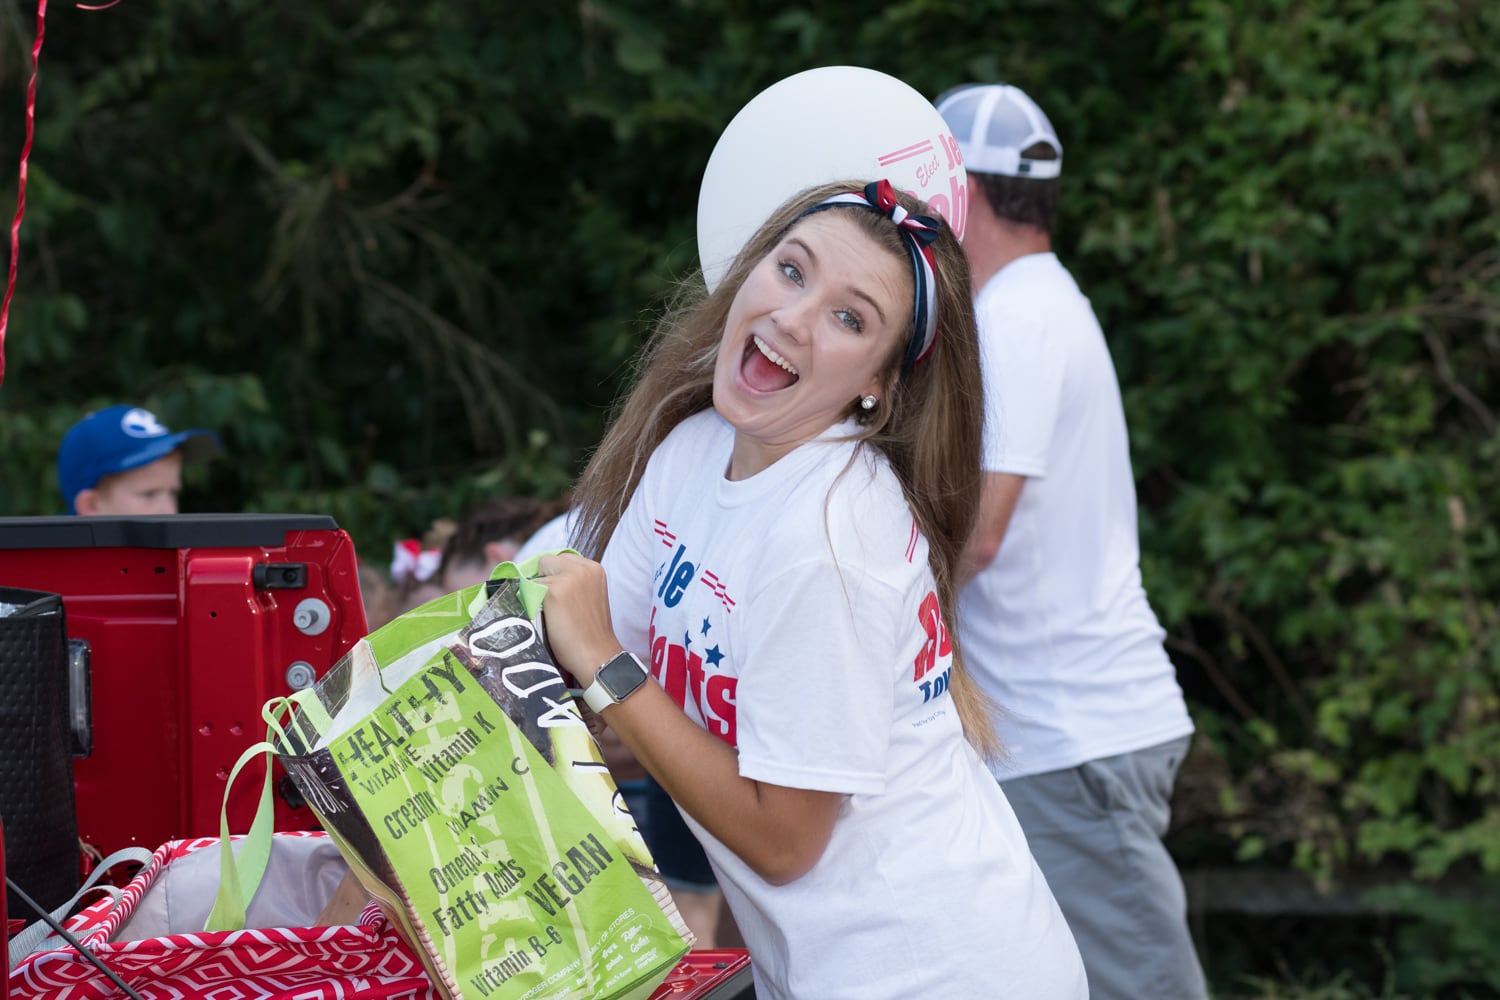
x=1002 y=490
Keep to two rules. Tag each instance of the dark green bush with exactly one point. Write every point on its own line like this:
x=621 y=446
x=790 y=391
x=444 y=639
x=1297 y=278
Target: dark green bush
x=400 y=255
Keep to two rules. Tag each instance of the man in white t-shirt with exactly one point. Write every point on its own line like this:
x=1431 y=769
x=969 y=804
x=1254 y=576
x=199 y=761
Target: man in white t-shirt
x=1054 y=620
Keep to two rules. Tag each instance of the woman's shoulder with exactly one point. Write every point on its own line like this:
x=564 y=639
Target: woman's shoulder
x=690 y=442
x=866 y=486
x=699 y=430
x=869 y=520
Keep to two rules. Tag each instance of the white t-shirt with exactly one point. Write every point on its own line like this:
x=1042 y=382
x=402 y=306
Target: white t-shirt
x=1058 y=629
x=555 y=534
x=792 y=615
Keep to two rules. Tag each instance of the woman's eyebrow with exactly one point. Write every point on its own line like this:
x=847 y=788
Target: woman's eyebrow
x=861 y=293
x=854 y=290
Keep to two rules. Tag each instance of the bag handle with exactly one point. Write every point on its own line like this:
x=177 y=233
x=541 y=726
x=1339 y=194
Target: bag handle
x=524 y=573
x=240 y=876
x=39 y=935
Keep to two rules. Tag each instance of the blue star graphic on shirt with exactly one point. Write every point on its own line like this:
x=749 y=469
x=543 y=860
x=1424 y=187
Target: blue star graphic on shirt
x=706 y=626
x=713 y=656
x=687 y=640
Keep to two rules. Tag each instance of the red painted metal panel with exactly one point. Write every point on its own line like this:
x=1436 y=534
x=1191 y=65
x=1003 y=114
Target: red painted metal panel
x=709 y=974
x=185 y=649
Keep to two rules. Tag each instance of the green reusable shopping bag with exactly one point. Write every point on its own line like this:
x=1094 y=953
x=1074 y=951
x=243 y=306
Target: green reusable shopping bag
x=444 y=755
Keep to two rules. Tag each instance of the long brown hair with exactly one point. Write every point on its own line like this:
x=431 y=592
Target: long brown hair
x=928 y=424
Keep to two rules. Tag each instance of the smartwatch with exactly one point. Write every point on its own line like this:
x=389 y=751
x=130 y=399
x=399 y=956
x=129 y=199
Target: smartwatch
x=616 y=680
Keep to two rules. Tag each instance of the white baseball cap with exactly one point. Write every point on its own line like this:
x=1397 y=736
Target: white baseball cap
x=993 y=123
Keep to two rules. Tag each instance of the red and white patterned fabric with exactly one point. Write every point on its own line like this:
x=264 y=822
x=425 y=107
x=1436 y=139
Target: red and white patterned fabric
x=365 y=960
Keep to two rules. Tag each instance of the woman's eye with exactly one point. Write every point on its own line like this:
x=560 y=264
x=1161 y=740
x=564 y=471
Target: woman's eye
x=791 y=271
x=851 y=319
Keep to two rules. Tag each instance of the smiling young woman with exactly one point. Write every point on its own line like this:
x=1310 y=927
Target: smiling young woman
x=782 y=555
x=815 y=326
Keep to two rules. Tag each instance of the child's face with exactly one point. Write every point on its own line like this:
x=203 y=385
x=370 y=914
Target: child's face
x=144 y=490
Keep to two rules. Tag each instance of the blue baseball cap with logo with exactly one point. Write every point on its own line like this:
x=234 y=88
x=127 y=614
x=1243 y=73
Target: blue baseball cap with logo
x=118 y=439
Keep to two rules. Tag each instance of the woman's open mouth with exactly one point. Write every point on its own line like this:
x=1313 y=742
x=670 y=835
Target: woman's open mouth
x=763 y=369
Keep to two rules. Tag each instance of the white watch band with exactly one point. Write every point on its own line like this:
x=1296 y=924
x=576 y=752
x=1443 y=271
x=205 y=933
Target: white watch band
x=597 y=698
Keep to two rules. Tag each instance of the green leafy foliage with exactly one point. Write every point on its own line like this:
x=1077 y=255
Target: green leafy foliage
x=400 y=256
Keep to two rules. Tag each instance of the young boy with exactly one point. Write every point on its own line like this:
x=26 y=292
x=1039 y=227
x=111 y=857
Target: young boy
x=122 y=461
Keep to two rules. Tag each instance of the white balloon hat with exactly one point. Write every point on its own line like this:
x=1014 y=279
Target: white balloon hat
x=827 y=124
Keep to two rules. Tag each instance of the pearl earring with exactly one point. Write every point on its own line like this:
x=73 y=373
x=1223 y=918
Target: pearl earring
x=867 y=403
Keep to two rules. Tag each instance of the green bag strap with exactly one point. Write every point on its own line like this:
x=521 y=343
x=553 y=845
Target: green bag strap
x=240 y=876
x=524 y=572
x=304 y=700
x=228 y=913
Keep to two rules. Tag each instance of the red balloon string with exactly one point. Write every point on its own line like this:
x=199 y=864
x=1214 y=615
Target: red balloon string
x=15 y=227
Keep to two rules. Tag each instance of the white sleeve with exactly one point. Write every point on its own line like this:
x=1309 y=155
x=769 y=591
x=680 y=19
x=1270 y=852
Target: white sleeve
x=629 y=567
x=553 y=535
x=816 y=697
x=1023 y=376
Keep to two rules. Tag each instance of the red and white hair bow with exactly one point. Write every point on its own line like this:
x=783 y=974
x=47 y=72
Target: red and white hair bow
x=412 y=563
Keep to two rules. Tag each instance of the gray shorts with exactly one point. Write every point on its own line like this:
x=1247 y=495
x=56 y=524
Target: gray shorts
x=1096 y=831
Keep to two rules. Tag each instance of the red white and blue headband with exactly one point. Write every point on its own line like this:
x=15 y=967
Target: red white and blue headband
x=918 y=232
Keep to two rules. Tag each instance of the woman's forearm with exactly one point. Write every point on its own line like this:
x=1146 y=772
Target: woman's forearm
x=779 y=832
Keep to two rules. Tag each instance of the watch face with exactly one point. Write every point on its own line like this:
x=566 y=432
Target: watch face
x=621 y=676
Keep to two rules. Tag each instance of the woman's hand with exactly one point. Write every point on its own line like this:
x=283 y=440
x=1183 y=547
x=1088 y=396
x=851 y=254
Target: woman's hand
x=576 y=614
